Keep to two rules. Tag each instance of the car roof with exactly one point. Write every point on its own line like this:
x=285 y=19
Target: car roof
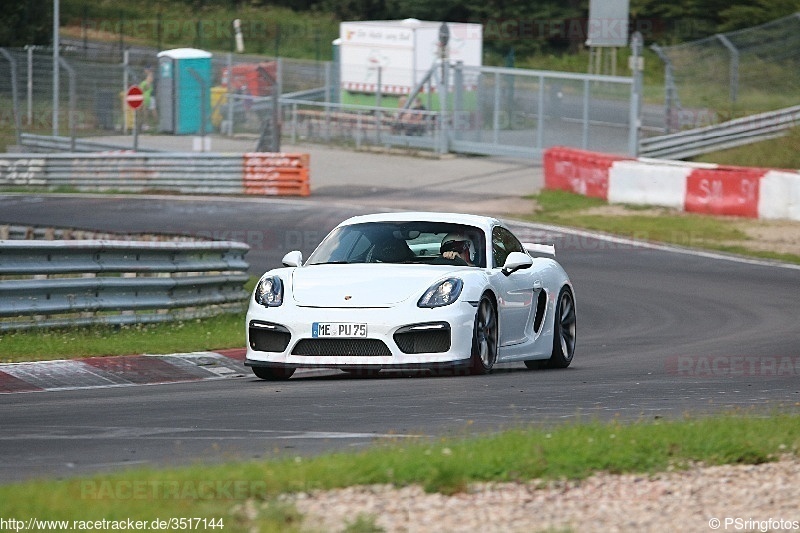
x=482 y=222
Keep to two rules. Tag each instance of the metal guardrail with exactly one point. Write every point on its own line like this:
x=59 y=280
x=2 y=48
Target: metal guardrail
x=49 y=144
x=83 y=282
x=256 y=173
x=22 y=232
x=729 y=134
x=128 y=172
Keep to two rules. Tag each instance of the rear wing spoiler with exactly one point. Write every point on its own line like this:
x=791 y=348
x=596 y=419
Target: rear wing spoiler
x=538 y=250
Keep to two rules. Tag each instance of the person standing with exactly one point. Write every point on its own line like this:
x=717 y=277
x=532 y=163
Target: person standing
x=149 y=103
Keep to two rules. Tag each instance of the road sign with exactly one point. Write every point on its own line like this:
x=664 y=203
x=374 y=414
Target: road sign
x=134 y=97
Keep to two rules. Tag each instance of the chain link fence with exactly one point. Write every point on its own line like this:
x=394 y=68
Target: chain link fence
x=486 y=110
x=732 y=74
x=93 y=80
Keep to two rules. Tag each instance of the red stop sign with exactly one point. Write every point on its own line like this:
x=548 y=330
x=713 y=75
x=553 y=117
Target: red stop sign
x=134 y=97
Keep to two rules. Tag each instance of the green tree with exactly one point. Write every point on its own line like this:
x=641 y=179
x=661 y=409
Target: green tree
x=23 y=23
x=744 y=15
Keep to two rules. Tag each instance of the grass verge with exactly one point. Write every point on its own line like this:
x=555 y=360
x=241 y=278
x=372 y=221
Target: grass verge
x=774 y=153
x=246 y=495
x=655 y=224
x=223 y=331
x=213 y=333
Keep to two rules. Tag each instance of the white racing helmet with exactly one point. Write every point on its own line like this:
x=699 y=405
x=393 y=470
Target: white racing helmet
x=458 y=242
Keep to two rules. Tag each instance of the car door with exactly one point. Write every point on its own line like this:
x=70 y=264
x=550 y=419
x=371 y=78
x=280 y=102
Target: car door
x=516 y=292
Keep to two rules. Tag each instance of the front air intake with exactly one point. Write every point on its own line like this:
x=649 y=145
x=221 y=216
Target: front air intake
x=342 y=348
x=424 y=338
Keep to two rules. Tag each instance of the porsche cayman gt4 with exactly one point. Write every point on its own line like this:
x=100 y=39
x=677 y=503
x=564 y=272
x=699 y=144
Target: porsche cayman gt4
x=432 y=291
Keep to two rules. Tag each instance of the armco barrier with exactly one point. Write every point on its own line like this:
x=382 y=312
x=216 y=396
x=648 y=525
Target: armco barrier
x=693 y=187
x=252 y=173
x=82 y=282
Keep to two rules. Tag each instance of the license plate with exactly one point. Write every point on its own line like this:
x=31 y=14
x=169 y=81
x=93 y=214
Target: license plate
x=338 y=329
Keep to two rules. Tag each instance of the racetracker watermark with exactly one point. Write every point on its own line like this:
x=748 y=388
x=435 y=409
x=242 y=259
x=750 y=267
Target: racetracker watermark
x=733 y=365
x=573 y=29
x=186 y=29
x=208 y=489
x=270 y=240
x=104 y=524
x=751 y=524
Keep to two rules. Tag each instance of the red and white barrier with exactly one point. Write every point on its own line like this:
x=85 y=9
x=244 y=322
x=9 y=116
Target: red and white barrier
x=779 y=195
x=692 y=187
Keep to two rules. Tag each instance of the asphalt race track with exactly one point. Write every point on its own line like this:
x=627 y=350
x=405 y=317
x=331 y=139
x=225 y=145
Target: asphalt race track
x=661 y=333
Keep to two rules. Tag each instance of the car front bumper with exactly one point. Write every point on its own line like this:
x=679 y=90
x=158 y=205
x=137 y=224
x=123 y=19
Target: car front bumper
x=282 y=337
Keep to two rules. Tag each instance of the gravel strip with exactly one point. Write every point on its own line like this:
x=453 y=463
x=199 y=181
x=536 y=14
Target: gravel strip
x=767 y=495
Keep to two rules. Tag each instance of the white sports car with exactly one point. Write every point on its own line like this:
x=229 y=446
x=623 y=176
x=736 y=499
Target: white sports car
x=413 y=290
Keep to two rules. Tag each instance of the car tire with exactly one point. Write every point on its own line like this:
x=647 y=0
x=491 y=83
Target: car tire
x=484 y=337
x=272 y=373
x=564 y=334
x=564 y=330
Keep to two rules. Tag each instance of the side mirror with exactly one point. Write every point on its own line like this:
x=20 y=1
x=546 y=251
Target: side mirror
x=293 y=259
x=516 y=261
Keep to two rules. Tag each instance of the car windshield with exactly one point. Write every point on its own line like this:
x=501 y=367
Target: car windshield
x=403 y=242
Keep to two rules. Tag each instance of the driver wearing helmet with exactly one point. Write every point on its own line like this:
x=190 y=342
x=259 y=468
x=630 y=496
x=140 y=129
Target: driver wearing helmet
x=457 y=246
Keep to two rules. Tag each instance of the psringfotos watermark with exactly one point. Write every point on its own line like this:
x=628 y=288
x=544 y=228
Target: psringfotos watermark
x=751 y=524
x=733 y=365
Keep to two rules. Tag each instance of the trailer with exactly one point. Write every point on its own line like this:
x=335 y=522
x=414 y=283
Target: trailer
x=396 y=55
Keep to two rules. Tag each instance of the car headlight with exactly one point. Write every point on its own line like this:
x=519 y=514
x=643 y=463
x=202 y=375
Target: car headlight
x=269 y=292
x=442 y=293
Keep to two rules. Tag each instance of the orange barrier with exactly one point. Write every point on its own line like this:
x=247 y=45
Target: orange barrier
x=276 y=174
x=724 y=191
x=578 y=171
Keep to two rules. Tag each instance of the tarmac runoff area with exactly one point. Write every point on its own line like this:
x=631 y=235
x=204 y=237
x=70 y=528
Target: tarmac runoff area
x=384 y=178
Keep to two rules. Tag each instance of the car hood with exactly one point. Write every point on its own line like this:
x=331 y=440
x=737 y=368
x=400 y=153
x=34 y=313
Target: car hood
x=373 y=285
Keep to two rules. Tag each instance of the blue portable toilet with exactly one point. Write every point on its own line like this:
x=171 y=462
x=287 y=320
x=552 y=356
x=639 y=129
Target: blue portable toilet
x=183 y=90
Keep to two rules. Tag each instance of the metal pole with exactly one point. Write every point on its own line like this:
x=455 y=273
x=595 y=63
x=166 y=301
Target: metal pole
x=294 y=123
x=585 y=132
x=379 y=87
x=125 y=85
x=671 y=103
x=496 y=110
x=443 y=148
x=71 y=111
x=636 y=95
x=734 y=70
x=336 y=77
x=444 y=39
x=378 y=94
x=458 y=98
x=30 y=84
x=14 y=96
x=230 y=94
x=328 y=84
x=276 y=107
x=136 y=130
x=56 y=74
x=540 y=124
